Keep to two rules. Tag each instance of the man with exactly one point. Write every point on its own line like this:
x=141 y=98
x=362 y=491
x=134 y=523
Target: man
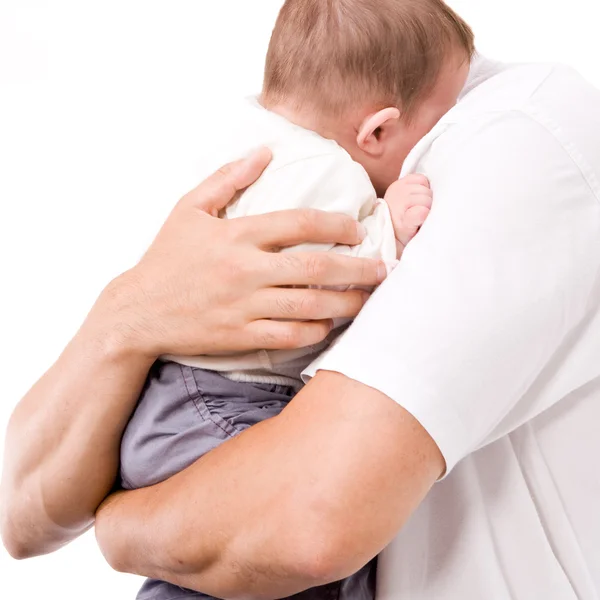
x=476 y=363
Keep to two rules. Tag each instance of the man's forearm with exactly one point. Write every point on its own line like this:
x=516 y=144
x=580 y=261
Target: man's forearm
x=196 y=531
x=297 y=501
x=63 y=439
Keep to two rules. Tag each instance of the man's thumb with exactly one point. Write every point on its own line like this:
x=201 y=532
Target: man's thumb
x=216 y=192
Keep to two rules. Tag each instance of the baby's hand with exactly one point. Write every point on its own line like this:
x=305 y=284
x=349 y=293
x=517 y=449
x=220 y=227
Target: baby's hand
x=410 y=200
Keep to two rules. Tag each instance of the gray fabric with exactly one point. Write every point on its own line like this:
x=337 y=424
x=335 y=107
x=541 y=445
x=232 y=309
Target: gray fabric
x=182 y=414
x=360 y=586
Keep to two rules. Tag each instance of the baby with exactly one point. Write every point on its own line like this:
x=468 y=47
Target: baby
x=344 y=82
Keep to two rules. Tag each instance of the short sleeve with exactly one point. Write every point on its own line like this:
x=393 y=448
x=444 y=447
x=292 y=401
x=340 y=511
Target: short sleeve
x=475 y=332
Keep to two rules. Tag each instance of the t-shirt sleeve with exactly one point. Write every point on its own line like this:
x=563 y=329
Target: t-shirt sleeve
x=473 y=331
x=329 y=182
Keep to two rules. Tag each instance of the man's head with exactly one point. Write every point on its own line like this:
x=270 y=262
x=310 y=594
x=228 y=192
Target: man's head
x=374 y=76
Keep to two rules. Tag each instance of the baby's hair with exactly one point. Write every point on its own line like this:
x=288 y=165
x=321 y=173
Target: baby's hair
x=334 y=55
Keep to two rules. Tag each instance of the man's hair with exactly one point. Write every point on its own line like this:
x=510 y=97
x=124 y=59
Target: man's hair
x=334 y=55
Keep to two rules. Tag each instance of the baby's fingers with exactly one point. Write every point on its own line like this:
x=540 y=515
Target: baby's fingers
x=416 y=179
x=401 y=195
x=410 y=223
x=415 y=216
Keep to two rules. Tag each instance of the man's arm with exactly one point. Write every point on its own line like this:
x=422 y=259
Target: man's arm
x=300 y=500
x=502 y=273
x=63 y=439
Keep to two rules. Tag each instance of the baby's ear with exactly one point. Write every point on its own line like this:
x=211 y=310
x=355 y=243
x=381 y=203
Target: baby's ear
x=371 y=135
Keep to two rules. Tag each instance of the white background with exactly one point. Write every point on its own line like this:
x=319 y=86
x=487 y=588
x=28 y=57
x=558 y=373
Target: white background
x=105 y=110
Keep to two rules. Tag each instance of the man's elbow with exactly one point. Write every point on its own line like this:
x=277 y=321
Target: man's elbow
x=23 y=536
x=18 y=549
x=17 y=544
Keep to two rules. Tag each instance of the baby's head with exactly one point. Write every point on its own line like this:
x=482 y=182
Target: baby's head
x=375 y=76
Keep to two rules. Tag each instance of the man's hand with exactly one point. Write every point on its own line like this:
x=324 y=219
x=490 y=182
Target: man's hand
x=410 y=200
x=205 y=286
x=208 y=286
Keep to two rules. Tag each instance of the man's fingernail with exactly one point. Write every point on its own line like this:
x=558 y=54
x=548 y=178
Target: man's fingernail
x=381 y=271
x=362 y=232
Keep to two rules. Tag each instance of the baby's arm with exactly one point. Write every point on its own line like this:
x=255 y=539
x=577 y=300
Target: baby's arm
x=409 y=200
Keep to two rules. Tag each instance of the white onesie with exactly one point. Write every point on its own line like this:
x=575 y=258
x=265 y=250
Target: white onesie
x=307 y=171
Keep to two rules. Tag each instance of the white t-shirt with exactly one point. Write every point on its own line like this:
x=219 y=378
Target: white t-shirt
x=488 y=333
x=307 y=171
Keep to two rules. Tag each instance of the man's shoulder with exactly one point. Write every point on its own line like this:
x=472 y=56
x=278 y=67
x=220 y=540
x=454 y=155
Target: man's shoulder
x=551 y=91
x=532 y=103
x=510 y=88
